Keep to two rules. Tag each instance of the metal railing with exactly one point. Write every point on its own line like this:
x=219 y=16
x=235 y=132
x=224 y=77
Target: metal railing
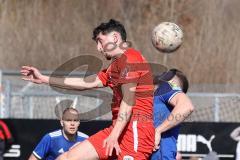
x=38 y=101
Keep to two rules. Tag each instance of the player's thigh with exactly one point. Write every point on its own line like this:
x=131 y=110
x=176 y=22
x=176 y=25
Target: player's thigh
x=82 y=151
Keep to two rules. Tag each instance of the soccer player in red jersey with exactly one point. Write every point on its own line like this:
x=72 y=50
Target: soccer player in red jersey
x=131 y=135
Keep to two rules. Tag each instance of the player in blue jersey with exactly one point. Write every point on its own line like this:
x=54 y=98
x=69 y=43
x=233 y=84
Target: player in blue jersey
x=55 y=143
x=171 y=107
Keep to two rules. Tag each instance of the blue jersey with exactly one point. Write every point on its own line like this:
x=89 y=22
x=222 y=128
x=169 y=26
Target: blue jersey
x=162 y=109
x=53 y=144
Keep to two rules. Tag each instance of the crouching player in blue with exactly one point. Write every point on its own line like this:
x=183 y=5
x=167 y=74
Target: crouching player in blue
x=55 y=143
x=171 y=107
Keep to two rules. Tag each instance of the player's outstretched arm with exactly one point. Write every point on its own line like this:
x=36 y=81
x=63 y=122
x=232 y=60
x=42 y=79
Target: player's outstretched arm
x=182 y=108
x=32 y=74
x=125 y=112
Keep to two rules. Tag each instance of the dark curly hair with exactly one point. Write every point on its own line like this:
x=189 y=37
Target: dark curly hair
x=108 y=27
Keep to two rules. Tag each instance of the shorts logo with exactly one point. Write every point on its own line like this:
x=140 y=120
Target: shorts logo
x=128 y=158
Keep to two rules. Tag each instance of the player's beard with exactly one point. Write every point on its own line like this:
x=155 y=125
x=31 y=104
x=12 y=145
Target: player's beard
x=107 y=56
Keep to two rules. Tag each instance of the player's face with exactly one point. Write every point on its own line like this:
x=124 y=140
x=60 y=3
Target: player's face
x=70 y=126
x=106 y=45
x=70 y=122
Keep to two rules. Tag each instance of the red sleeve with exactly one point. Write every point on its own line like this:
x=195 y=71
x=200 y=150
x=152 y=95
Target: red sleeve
x=102 y=75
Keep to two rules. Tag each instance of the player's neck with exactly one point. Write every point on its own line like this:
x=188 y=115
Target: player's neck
x=118 y=52
x=69 y=137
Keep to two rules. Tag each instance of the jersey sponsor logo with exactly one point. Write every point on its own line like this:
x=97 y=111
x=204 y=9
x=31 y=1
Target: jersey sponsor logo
x=124 y=73
x=128 y=158
x=188 y=142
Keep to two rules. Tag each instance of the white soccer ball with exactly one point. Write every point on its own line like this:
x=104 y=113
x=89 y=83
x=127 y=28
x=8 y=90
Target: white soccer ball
x=167 y=37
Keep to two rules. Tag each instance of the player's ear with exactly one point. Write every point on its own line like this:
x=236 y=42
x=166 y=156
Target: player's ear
x=79 y=123
x=61 y=122
x=115 y=37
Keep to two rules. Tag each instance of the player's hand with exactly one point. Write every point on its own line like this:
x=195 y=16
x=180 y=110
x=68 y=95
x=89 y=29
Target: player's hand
x=157 y=140
x=110 y=143
x=32 y=74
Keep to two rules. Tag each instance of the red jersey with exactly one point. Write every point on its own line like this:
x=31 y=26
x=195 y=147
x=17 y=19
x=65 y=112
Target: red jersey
x=130 y=67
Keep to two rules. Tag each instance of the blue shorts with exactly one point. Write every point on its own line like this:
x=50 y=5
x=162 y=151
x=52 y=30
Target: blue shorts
x=167 y=150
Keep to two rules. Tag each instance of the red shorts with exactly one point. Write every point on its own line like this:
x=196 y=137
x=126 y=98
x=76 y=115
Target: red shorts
x=136 y=141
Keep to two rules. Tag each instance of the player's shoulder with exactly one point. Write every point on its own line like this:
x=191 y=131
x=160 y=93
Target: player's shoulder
x=133 y=55
x=55 y=134
x=82 y=135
